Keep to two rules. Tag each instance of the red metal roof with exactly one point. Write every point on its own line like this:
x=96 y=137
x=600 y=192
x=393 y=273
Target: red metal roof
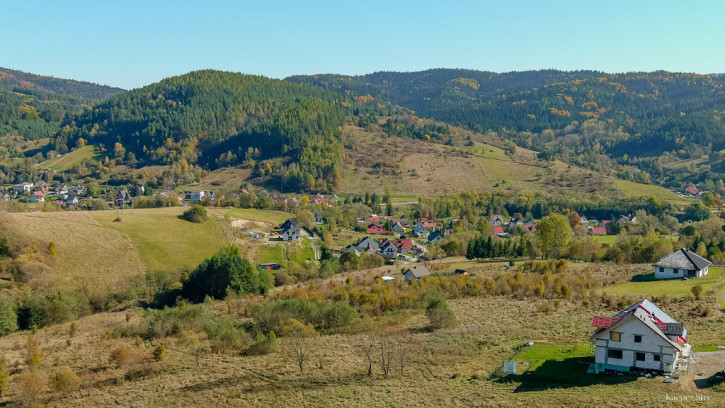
x=604 y=322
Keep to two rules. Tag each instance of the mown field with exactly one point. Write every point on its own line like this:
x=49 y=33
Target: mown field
x=275 y=217
x=646 y=285
x=71 y=159
x=162 y=239
x=632 y=189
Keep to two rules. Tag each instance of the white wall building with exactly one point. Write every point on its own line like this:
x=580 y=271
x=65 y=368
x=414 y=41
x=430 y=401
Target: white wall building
x=681 y=264
x=642 y=337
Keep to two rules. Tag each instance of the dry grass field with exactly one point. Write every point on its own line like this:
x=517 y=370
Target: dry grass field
x=411 y=167
x=89 y=253
x=449 y=367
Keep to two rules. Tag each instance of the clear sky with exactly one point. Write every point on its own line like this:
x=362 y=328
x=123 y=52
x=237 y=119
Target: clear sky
x=130 y=43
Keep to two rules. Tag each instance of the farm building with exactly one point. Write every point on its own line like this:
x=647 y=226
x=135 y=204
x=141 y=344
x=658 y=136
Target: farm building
x=681 y=264
x=640 y=338
x=416 y=272
x=270 y=266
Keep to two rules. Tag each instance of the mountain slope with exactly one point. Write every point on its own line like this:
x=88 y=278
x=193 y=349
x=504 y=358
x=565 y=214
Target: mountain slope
x=80 y=89
x=584 y=117
x=219 y=119
x=653 y=105
x=33 y=106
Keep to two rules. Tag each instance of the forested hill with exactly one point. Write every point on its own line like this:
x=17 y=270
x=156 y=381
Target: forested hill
x=26 y=81
x=218 y=119
x=634 y=114
x=33 y=106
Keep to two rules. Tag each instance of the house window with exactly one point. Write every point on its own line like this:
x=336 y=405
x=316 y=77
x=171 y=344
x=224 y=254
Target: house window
x=612 y=353
x=615 y=336
x=637 y=338
x=640 y=356
x=657 y=357
x=662 y=269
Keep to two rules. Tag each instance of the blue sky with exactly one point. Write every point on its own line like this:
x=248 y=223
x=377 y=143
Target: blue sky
x=134 y=43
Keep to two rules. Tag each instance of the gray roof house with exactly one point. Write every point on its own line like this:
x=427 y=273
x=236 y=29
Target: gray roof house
x=290 y=231
x=681 y=264
x=416 y=272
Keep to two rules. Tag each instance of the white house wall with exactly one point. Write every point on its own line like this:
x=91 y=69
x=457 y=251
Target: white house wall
x=651 y=344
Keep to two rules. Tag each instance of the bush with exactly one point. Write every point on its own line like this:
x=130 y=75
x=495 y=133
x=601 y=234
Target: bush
x=121 y=356
x=159 y=352
x=437 y=311
x=4 y=377
x=8 y=316
x=322 y=315
x=65 y=381
x=225 y=335
x=196 y=213
x=697 y=291
x=29 y=387
x=223 y=273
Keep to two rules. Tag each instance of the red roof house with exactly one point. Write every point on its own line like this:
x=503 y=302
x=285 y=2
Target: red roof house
x=598 y=231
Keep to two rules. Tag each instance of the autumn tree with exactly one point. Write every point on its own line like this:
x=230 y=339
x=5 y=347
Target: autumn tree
x=552 y=235
x=301 y=337
x=574 y=219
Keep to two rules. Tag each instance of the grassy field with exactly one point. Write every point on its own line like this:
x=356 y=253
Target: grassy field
x=274 y=217
x=605 y=239
x=71 y=159
x=163 y=240
x=670 y=287
x=632 y=189
x=89 y=254
x=457 y=367
x=298 y=252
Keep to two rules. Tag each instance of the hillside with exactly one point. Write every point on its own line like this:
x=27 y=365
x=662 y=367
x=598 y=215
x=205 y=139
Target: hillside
x=411 y=167
x=219 y=119
x=593 y=119
x=69 y=87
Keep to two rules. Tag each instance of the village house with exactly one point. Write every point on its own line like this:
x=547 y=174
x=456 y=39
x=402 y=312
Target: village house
x=681 y=264
x=388 y=250
x=23 y=187
x=71 y=200
x=497 y=219
x=42 y=185
x=692 y=190
x=377 y=229
x=37 y=197
x=5 y=196
x=640 y=338
x=404 y=222
x=363 y=243
x=420 y=231
x=405 y=246
x=597 y=231
x=318 y=217
x=398 y=227
x=434 y=238
x=197 y=195
x=120 y=198
x=416 y=273
x=290 y=231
